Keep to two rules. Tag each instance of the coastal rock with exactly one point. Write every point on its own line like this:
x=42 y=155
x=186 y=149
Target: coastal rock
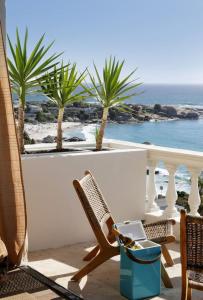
x=170 y=111
x=137 y=108
x=193 y=115
x=141 y=117
x=124 y=117
x=132 y=119
x=69 y=119
x=181 y=114
x=92 y=113
x=43 y=117
x=147 y=143
x=188 y=114
x=74 y=139
x=33 y=108
x=157 y=108
x=147 y=118
x=48 y=139
x=161 y=114
x=31 y=121
x=27 y=139
x=76 y=119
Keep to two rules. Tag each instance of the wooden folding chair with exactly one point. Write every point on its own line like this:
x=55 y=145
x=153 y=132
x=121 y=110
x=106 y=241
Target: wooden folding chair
x=98 y=215
x=191 y=248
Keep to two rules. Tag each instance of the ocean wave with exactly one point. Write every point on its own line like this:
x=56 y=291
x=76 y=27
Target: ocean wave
x=184 y=176
x=188 y=105
x=182 y=180
x=89 y=132
x=162 y=171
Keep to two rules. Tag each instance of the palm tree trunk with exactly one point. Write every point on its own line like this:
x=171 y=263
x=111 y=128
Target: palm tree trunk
x=59 y=129
x=20 y=129
x=101 y=129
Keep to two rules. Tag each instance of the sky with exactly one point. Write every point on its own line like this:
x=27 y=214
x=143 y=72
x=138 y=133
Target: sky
x=163 y=38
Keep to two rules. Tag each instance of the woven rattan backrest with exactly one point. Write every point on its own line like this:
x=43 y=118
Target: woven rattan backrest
x=159 y=231
x=194 y=241
x=93 y=203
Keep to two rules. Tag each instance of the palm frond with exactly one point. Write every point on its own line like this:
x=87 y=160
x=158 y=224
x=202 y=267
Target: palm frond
x=61 y=85
x=24 y=68
x=110 y=89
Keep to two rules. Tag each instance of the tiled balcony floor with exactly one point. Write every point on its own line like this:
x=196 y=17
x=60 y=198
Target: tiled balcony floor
x=103 y=283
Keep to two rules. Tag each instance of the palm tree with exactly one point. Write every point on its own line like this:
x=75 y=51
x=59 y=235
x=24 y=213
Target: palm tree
x=24 y=70
x=61 y=86
x=110 y=91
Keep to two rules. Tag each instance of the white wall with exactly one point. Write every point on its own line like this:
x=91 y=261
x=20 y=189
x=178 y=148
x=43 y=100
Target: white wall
x=55 y=215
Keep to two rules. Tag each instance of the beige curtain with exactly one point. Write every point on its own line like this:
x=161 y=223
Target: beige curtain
x=12 y=200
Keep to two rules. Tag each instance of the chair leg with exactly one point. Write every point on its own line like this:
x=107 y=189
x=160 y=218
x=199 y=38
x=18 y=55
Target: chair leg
x=189 y=293
x=165 y=278
x=184 y=292
x=95 y=250
x=167 y=256
x=92 y=253
x=95 y=262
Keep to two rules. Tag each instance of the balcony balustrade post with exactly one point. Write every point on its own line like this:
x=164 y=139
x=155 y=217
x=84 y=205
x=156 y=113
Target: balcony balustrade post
x=171 y=194
x=194 y=197
x=151 y=188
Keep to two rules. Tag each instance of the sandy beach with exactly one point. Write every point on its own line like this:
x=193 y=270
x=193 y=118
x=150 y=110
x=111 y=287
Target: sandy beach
x=41 y=130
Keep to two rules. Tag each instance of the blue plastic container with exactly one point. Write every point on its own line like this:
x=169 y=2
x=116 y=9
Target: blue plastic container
x=140 y=269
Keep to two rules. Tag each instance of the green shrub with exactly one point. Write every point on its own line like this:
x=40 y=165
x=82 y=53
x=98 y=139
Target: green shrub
x=183 y=201
x=41 y=117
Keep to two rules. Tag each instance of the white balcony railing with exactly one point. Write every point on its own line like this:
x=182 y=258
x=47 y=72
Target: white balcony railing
x=172 y=159
x=122 y=177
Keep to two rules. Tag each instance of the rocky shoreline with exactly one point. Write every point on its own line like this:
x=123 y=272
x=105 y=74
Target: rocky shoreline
x=90 y=113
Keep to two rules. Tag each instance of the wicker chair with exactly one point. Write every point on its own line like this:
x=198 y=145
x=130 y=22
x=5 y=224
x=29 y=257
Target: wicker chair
x=191 y=247
x=98 y=215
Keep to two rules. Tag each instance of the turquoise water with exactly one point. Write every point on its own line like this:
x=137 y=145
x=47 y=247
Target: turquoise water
x=184 y=134
x=176 y=134
x=181 y=134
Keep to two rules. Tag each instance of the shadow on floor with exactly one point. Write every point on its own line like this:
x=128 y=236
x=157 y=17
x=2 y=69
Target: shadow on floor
x=103 y=283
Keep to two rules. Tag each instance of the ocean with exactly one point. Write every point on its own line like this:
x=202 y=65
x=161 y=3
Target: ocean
x=184 y=134
x=176 y=94
x=176 y=134
x=181 y=134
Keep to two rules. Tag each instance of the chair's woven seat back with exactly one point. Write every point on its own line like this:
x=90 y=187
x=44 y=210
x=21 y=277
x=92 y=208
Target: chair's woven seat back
x=94 y=202
x=158 y=231
x=194 y=237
